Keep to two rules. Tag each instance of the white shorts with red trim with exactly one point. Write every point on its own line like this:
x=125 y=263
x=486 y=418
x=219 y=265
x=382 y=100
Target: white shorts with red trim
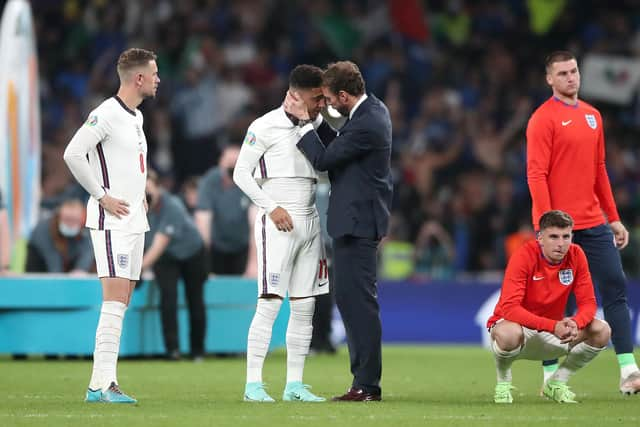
x=118 y=253
x=291 y=262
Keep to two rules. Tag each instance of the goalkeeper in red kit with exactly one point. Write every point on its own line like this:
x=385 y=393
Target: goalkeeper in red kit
x=528 y=321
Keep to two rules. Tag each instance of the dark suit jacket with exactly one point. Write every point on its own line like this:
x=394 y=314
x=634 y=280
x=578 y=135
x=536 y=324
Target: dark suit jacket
x=358 y=161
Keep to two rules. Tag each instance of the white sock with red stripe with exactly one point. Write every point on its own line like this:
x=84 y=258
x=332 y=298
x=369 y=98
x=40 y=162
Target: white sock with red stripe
x=260 y=336
x=105 y=355
x=299 y=331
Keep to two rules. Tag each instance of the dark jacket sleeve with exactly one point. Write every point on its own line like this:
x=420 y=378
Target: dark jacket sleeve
x=344 y=148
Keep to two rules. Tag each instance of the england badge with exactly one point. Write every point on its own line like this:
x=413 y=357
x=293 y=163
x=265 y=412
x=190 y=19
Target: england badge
x=566 y=276
x=591 y=121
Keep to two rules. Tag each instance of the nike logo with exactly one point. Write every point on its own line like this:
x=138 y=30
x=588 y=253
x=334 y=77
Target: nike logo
x=322 y=284
x=566 y=123
x=538 y=277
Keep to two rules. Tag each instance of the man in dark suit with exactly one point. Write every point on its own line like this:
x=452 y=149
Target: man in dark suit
x=358 y=161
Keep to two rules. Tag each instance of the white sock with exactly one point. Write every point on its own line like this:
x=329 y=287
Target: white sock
x=577 y=358
x=105 y=355
x=627 y=370
x=260 y=336
x=299 y=332
x=504 y=360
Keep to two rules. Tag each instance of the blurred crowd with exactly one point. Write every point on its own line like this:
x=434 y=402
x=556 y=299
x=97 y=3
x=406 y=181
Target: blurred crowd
x=460 y=78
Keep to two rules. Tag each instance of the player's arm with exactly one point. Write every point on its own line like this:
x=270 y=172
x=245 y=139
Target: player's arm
x=605 y=195
x=157 y=248
x=539 y=147
x=513 y=291
x=203 y=214
x=583 y=291
x=250 y=153
x=90 y=134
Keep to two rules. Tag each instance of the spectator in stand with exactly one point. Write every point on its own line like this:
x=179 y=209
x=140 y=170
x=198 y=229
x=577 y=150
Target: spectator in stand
x=61 y=244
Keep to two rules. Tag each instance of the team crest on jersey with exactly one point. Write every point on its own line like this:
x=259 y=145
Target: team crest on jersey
x=250 y=139
x=591 y=121
x=123 y=260
x=566 y=276
x=92 y=120
x=274 y=279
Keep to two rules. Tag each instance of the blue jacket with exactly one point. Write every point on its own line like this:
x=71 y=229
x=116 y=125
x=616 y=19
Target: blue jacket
x=358 y=161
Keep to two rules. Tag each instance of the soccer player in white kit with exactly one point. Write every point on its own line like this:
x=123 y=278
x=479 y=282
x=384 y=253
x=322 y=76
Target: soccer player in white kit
x=108 y=157
x=282 y=183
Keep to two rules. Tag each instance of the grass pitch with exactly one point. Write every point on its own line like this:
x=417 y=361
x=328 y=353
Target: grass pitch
x=425 y=386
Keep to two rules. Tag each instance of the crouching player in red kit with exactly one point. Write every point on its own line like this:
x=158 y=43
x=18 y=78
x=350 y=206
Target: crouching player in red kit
x=528 y=322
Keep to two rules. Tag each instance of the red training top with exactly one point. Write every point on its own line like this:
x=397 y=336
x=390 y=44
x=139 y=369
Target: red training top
x=565 y=164
x=534 y=291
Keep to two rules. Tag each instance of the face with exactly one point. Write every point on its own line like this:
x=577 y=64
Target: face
x=338 y=101
x=554 y=242
x=148 y=80
x=314 y=100
x=564 y=78
x=71 y=219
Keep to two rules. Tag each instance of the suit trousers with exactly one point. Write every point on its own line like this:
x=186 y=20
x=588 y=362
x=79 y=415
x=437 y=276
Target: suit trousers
x=194 y=273
x=355 y=287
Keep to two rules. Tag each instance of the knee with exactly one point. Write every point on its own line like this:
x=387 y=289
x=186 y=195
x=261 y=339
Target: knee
x=599 y=333
x=508 y=335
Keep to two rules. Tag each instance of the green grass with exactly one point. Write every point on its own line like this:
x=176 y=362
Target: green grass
x=425 y=386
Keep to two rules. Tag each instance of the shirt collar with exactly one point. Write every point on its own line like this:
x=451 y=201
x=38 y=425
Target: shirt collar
x=355 y=107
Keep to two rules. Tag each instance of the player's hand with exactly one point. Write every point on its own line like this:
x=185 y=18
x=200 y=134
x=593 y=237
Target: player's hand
x=294 y=105
x=566 y=330
x=281 y=219
x=115 y=207
x=620 y=234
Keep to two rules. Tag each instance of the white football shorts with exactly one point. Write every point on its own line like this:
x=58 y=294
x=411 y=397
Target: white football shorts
x=540 y=345
x=291 y=262
x=118 y=253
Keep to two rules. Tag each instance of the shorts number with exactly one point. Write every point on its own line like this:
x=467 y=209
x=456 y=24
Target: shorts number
x=141 y=163
x=323 y=271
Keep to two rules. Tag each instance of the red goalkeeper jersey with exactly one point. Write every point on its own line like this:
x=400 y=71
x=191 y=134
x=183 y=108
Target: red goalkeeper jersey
x=534 y=291
x=565 y=164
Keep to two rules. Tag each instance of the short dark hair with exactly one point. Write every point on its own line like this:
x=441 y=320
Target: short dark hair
x=132 y=58
x=555 y=218
x=557 y=56
x=305 y=77
x=343 y=75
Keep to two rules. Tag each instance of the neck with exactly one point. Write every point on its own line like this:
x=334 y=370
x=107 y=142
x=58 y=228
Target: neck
x=130 y=97
x=571 y=100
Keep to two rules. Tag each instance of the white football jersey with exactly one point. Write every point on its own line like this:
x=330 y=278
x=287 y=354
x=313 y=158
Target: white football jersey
x=114 y=144
x=269 y=152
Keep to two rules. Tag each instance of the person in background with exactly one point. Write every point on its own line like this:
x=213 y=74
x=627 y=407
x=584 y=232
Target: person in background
x=174 y=251
x=60 y=244
x=5 y=239
x=566 y=170
x=221 y=216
